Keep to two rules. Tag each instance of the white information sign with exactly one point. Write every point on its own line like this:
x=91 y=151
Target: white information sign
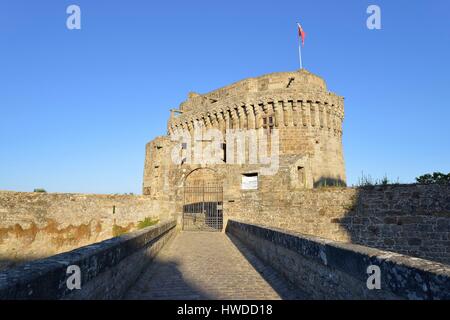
x=249 y=182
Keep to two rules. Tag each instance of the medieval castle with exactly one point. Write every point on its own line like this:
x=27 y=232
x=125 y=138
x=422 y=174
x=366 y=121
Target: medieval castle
x=261 y=160
x=298 y=105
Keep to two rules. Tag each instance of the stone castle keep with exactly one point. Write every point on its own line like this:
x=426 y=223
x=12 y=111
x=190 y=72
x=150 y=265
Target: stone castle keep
x=298 y=104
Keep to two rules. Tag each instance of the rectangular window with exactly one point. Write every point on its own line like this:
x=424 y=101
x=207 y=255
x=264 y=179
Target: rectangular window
x=224 y=150
x=249 y=181
x=268 y=123
x=301 y=176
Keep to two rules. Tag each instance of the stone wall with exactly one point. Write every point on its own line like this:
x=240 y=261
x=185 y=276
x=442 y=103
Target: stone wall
x=327 y=269
x=409 y=219
x=37 y=225
x=107 y=268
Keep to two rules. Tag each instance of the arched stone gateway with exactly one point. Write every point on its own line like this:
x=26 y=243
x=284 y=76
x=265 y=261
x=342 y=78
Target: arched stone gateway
x=203 y=201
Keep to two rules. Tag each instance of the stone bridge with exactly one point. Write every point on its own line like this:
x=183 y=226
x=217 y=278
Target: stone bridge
x=245 y=262
x=209 y=265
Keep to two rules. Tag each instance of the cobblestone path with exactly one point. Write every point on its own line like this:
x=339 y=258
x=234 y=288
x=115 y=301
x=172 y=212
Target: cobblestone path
x=209 y=265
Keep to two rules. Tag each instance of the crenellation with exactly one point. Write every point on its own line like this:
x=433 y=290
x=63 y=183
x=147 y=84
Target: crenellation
x=295 y=113
x=258 y=114
x=285 y=111
x=241 y=116
x=312 y=107
x=250 y=116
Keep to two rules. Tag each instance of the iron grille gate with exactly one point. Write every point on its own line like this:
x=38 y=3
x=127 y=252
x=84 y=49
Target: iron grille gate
x=203 y=207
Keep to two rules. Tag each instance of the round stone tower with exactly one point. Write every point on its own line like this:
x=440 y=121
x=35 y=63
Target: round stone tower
x=307 y=117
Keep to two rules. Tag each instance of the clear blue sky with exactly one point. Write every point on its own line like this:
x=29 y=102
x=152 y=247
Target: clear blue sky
x=77 y=107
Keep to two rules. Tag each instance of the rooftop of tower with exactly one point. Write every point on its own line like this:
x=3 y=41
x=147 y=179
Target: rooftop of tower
x=278 y=82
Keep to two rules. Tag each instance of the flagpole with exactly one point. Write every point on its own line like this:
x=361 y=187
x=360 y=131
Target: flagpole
x=301 y=34
x=300 y=53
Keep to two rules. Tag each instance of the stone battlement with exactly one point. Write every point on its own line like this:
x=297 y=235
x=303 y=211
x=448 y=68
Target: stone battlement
x=297 y=99
x=299 y=80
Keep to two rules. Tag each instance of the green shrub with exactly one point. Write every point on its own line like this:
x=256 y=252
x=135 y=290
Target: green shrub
x=118 y=230
x=39 y=190
x=147 y=222
x=367 y=181
x=434 y=178
x=384 y=181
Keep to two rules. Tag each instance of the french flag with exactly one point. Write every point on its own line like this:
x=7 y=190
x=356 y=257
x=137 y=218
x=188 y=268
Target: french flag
x=301 y=33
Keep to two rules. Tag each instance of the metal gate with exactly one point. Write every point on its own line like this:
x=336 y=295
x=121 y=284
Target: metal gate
x=203 y=206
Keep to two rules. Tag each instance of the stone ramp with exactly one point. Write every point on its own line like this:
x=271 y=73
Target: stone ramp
x=209 y=265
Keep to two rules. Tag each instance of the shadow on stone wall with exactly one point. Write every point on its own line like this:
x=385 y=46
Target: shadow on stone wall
x=7 y=263
x=409 y=219
x=10 y=263
x=329 y=182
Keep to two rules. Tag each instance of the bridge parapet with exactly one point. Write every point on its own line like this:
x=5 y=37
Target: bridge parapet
x=327 y=269
x=107 y=268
